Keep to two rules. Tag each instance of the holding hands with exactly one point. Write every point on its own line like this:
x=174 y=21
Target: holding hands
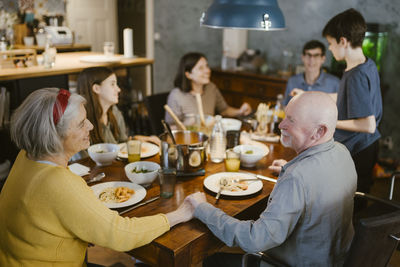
x=196 y=198
x=182 y=214
x=186 y=210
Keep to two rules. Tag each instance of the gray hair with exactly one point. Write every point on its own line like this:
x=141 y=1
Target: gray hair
x=32 y=125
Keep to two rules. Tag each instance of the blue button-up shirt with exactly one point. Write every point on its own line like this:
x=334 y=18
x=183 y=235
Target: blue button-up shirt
x=308 y=220
x=326 y=83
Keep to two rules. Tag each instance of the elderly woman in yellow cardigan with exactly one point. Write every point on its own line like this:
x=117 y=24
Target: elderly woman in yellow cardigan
x=48 y=214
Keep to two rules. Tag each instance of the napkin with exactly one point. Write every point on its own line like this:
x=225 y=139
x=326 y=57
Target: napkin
x=79 y=169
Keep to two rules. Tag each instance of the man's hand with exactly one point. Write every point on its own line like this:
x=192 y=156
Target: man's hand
x=182 y=214
x=196 y=199
x=277 y=165
x=296 y=91
x=245 y=109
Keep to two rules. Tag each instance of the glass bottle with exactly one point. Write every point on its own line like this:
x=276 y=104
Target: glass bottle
x=278 y=115
x=3 y=43
x=49 y=54
x=218 y=141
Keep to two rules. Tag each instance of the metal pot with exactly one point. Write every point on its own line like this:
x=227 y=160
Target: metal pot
x=189 y=153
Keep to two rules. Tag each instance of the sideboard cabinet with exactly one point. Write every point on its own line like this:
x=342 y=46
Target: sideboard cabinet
x=240 y=86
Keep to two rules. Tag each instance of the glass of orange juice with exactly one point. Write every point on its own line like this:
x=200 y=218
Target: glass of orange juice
x=134 y=148
x=232 y=161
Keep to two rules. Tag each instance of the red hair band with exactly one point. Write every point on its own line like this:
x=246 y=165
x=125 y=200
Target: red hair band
x=60 y=105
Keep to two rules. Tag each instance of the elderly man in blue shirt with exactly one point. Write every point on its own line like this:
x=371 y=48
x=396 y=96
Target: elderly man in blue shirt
x=313 y=78
x=308 y=220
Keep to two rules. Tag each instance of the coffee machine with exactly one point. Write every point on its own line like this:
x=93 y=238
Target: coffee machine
x=60 y=35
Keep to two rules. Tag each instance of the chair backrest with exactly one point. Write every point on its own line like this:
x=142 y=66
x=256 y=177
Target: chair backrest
x=375 y=240
x=155 y=107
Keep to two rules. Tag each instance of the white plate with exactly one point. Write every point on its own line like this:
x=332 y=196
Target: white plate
x=100 y=58
x=140 y=193
x=147 y=150
x=212 y=183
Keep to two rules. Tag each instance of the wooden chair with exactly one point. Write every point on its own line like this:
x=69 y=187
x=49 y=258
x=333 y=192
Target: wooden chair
x=375 y=239
x=155 y=107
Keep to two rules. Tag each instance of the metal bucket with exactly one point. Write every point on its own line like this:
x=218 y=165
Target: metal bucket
x=188 y=155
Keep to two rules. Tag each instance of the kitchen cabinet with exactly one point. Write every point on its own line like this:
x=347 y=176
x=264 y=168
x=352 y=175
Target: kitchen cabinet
x=241 y=86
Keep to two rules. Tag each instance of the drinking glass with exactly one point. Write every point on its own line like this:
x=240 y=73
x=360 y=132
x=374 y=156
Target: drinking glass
x=192 y=122
x=232 y=138
x=108 y=49
x=167 y=178
x=134 y=148
x=232 y=161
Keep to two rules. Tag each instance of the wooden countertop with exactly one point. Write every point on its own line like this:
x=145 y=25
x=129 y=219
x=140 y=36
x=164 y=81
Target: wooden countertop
x=63 y=48
x=68 y=63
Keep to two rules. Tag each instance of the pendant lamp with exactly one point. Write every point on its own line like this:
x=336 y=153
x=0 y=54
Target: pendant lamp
x=263 y=15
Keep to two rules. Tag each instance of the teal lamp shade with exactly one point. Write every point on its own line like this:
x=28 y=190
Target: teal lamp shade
x=263 y=15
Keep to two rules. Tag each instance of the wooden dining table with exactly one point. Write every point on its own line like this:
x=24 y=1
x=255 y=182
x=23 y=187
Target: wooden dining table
x=187 y=244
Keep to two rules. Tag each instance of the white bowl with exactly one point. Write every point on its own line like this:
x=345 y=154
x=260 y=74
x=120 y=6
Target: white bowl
x=103 y=154
x=249 y=154
x=231 y=124
x=143 y=178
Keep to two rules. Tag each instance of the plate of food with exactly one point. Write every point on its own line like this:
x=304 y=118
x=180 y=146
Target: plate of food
x=119 y=194
x=233 y=183
x=147 y=150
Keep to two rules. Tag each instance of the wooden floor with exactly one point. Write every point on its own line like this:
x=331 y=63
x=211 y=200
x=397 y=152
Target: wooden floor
x=108 y=257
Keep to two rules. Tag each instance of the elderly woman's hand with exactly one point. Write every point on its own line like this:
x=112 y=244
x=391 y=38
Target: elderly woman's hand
x=182 y=214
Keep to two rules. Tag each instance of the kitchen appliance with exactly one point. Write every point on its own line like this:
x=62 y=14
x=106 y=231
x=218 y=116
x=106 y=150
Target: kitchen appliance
x=188 y=155
x=53 y=20
x=59 y=34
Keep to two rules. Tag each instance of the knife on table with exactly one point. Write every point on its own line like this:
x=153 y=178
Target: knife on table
x=262 y=177
x=139 y=205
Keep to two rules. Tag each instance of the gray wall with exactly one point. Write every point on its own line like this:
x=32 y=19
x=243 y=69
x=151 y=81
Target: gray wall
x=178 y=23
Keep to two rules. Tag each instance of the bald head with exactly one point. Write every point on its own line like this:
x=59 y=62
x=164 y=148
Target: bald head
x=316 y=108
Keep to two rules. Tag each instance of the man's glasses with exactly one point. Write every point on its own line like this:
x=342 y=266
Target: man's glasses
x=309 y=55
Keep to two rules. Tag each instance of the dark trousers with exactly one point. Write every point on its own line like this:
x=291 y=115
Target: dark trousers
x=365 y=161
x=229 y=260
